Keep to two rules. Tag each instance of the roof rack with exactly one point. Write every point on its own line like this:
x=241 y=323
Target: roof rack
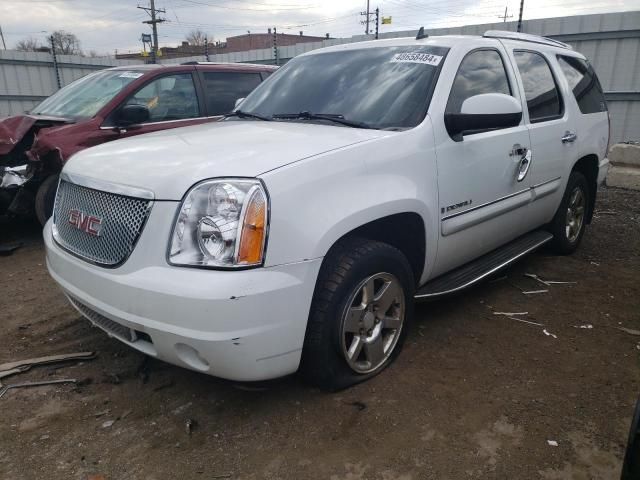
x=526 y=37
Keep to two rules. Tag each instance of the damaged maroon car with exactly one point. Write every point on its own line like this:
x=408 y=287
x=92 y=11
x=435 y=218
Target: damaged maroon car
x=105 y=106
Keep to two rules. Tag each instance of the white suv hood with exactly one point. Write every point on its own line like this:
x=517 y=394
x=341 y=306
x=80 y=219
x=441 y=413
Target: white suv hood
x=171 y=161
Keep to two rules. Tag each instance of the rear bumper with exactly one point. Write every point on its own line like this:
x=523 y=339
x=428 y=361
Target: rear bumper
x=240 y=325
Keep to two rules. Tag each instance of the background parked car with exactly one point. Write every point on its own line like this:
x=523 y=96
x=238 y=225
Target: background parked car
x=104 y=106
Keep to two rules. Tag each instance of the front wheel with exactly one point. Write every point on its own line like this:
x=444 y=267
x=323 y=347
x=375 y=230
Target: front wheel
x=360 y=314
x=569 y=223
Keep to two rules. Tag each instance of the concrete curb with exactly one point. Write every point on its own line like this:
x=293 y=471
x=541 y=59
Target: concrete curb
x=625 y=166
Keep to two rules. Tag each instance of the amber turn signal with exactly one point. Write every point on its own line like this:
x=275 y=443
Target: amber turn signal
x=252 y=238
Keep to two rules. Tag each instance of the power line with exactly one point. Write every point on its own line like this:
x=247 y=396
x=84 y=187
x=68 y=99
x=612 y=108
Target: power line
x=266 y=10
x=268 y=5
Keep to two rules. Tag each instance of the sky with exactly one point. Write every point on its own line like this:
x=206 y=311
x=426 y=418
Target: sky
x=105 y=26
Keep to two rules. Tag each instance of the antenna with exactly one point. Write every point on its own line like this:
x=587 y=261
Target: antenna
x=421 y=34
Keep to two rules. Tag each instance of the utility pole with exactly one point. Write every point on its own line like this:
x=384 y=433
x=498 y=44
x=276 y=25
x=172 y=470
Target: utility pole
x=55 y=62
x=366 y=22
x=2 y=37
x=520 y=17
x=275 y=46
x=206 y=48
x=505 y=16
x=377 y=21
x=152 y=10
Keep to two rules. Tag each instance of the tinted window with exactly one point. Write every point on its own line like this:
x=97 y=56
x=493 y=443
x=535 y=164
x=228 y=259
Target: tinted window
x=584 y=83
x=224 y=88
x=384 y=87
x=171 y=97
x=480 y=72
x=543 y=99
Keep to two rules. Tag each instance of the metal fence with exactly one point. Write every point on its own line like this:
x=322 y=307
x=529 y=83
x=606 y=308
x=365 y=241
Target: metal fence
x=611 y=41
x=27 y=78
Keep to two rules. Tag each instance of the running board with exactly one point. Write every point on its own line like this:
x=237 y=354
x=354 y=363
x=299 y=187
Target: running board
x=480 y=268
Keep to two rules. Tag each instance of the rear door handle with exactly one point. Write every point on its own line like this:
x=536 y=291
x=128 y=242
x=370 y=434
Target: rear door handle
x=569 y=137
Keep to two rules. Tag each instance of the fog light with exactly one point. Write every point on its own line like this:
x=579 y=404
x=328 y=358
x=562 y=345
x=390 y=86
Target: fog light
x=191 y=357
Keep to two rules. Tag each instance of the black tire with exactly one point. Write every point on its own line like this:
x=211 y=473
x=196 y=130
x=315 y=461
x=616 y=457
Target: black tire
x=345 y=268
x=564 y=243
x=631 y=463
x=45 y=197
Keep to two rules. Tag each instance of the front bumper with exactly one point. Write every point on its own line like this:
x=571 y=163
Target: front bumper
x=240 y=325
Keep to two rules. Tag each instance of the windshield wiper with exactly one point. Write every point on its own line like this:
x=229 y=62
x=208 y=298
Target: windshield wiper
x=332 y=117
x=241 y=114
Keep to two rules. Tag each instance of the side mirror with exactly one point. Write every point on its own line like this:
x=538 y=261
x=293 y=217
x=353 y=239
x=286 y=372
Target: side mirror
x=483 y=112
x=238 y=102
x=133 y=115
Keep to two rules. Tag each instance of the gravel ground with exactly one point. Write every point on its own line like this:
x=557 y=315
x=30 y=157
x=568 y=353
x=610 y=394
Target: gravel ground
x=473 y=395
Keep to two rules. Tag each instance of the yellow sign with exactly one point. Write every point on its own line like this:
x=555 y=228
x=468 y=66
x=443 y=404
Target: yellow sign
x=386 y=20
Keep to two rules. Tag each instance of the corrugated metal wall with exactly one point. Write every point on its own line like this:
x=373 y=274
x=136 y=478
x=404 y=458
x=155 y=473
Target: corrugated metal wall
x=27 y=78
x=611 y=41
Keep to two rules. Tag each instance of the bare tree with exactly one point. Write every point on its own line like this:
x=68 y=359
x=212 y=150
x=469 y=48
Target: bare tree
x=66 y=43
x=28 y=45
x=196 y=37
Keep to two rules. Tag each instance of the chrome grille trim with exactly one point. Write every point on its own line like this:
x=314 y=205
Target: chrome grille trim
x=122 y=220
x=95 y=184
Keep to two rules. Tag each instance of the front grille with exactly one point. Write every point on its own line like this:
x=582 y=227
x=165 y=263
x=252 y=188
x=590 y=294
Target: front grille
x=98 y=226
x=114 y=328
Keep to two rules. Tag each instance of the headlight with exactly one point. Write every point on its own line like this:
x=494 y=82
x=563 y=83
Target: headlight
x=221 y=223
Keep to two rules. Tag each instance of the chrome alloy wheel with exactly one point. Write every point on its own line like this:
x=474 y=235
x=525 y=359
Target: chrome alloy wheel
x=575 y=214
x=372 y=322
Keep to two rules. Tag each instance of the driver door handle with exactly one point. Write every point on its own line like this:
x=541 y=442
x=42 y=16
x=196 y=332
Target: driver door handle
x=525 y=160
x=569 y=137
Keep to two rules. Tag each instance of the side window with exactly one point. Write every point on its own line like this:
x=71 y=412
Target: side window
x=584 y=83
x=540 y=90
x=224 y=88
x=480 y=72
x=170 y=97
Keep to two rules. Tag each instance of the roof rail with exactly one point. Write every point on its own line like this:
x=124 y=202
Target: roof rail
x=240 y=64
x=526 y=37
x=203 y=63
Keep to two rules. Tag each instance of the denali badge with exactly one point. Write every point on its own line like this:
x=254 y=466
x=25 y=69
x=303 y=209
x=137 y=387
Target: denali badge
x=87 y=223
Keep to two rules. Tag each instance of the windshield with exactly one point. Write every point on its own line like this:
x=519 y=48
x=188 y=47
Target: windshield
x=381 y=88
x=85 y=97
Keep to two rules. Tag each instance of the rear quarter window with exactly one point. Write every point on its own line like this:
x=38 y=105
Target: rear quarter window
x=584 y=83
x=224 y=88
x=540 y=89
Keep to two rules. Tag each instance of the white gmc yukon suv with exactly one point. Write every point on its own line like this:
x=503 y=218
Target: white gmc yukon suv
x=296 y=233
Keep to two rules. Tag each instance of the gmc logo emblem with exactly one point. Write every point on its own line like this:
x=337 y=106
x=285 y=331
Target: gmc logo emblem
x=87 y=223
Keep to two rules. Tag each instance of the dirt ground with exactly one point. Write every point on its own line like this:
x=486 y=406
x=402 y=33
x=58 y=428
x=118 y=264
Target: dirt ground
x=473 y=395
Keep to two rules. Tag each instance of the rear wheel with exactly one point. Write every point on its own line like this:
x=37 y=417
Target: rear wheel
x=360 y=314
x=45 y=198
x=569 y=223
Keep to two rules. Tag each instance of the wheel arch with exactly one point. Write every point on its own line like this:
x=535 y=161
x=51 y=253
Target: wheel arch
x=588 y=166
x=412 y=241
